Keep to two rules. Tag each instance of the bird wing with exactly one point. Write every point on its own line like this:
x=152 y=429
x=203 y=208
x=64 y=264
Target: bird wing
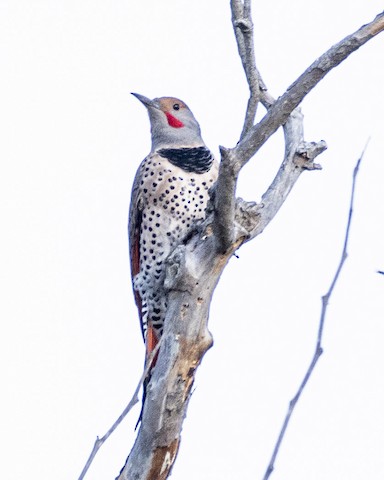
x=134 y=225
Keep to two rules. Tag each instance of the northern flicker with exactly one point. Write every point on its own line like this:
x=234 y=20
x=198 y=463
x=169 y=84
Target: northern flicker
x=169 y=195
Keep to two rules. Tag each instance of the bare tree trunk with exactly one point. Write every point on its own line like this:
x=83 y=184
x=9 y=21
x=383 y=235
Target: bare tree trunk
x=194 y=269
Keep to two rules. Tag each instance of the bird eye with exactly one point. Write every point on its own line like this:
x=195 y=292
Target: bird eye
x=176 y=106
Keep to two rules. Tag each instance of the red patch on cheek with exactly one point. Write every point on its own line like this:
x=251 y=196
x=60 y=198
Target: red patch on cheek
x=173 y=121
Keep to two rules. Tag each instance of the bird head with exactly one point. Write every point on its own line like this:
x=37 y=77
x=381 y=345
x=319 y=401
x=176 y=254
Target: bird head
x=172 y=123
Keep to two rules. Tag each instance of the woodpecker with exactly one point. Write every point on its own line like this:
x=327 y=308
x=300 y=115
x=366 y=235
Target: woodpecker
x=169 y=196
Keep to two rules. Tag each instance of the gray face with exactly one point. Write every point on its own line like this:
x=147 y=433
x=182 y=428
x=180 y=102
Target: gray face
x=172 y=123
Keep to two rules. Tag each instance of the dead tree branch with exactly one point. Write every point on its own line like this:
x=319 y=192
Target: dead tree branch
x=191 y=281
x=295 y=94
x=194 y=269
x=319 y=348
x=243 y=28
x=276 y=116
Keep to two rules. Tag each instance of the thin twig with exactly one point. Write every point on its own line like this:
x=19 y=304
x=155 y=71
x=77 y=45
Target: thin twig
x=319 y=348
x=135 y=398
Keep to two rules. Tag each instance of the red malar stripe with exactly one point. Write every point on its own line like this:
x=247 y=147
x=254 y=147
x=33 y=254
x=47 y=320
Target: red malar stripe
x=173 y=122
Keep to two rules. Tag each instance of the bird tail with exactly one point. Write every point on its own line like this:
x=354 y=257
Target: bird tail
x=151 y=342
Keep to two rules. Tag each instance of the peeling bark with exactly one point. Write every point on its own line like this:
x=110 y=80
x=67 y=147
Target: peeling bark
x=185 y=340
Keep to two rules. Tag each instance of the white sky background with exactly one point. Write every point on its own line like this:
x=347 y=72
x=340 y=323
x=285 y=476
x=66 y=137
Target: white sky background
x=71 y=138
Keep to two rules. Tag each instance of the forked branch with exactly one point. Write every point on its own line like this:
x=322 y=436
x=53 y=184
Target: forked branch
x=276 y=116
x=295 y=94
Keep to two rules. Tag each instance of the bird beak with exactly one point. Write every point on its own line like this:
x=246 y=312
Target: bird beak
x=146 y=101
